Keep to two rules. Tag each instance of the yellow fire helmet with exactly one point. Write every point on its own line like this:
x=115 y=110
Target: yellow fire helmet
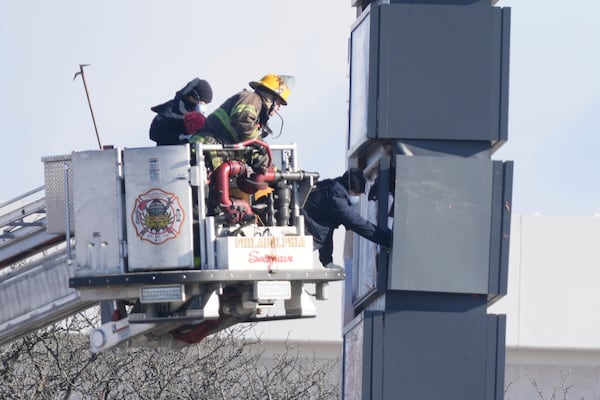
x=278 y=84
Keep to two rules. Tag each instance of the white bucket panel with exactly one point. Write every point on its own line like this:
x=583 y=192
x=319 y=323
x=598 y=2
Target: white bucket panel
x=97 y=208
x=272 y=253
x=158 y=208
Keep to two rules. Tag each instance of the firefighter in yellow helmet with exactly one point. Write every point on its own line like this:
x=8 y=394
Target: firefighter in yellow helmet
x=244 y=115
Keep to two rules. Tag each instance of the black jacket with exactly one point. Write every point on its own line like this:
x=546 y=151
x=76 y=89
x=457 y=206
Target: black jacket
x=168 y=124
x=327 y=208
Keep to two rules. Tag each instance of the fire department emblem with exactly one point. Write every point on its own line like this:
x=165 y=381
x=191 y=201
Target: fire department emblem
x=157 y=216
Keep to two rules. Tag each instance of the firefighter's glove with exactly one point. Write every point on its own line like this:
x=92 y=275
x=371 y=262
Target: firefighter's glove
x=265 y=131
x=259 y=161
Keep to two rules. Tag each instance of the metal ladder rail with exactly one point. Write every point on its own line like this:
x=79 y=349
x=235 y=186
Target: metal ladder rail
x=10 y=212
x=23 y=227
x=37 y=294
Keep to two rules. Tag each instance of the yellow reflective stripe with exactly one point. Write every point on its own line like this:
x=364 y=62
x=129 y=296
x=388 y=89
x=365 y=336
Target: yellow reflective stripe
x=240 y=108
x=250 y=109
x=254 y=134
x=215 y=159
x=226 y=121
x=197 y=139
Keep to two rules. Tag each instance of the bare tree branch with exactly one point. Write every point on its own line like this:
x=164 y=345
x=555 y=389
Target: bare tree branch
x=56 y=362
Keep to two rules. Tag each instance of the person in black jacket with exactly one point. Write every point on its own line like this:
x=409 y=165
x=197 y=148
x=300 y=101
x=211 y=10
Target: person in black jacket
x=179 y=118
x=329 y=205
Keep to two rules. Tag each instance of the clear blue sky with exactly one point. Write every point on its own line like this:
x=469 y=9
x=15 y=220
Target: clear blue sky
x=142 y=51
x=554 y=120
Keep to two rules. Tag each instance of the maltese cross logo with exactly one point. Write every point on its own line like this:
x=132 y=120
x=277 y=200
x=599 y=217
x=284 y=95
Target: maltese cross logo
x=157 y=216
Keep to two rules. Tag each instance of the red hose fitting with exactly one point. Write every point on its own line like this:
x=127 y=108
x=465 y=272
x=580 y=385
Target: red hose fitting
x=236 y=210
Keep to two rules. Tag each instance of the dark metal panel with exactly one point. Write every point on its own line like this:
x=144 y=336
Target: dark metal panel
x=367 y=358
x=506 y=218
x=437 y=72
x=499 y=368
x=435 y=301
x=471 y=148
x=495 y=357
x=434 y=355
x=496 y=71
x=425 y=353
x=441 y=232
x=386 y=187
x=491 y=356
x=504 y=77
x=378 y=357
x=500 y=232
x=496 y=227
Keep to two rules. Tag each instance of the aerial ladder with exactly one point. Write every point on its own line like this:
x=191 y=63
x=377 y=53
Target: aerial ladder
x=171 y=250
x=34 y=289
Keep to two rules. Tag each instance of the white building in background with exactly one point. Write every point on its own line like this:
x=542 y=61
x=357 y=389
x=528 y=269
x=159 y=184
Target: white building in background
x=552 y=308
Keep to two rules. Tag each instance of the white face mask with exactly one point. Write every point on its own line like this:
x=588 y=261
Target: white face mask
x=353 y=199
x=202 y=109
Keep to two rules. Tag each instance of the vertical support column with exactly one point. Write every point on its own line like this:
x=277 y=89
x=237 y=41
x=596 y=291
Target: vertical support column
x=428 y=108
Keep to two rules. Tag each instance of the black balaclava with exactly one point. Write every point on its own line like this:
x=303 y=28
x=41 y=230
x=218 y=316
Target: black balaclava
x=354 y=180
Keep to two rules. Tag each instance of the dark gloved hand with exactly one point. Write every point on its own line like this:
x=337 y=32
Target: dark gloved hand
x=387 y=246
x=265 y=131
x=259 y=161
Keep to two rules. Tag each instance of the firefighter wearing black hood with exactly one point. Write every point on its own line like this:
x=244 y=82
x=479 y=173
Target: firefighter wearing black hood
x=329 y=205
x=179 y=118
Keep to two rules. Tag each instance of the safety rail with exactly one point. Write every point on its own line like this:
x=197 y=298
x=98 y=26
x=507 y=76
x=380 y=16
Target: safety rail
x=35 y=293
x=23 y=227
x=34 y=269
